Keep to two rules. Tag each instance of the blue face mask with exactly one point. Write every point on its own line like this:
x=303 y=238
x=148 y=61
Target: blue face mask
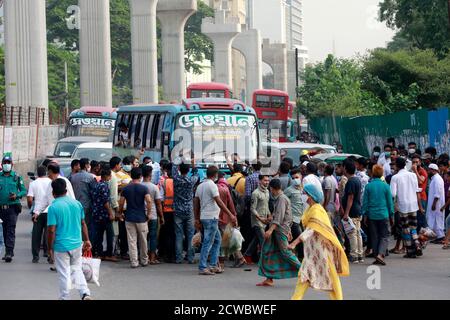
x=297 y=182
x=127 y=167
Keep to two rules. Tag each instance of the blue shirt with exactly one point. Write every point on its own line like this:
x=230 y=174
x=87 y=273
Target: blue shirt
x=183 y=187
x=100 y=196
x=66 y=214
x=135 y=194
x=377 y=200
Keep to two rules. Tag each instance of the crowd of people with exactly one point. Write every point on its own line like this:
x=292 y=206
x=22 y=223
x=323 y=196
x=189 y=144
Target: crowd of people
x=308 y=221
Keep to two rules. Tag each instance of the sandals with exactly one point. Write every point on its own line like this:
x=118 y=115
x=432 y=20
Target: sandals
x=379 y=261
x=446 y=246
x=239 y=264
x=397 y=251
x=154 y=262
x=206 y=272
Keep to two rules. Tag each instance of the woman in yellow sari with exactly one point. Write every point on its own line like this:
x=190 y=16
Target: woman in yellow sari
x=324 y=258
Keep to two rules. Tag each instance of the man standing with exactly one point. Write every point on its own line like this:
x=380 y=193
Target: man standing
x=237 y=180
x=422 y=178
x=37 y=195
x=351 y=208
x=435 y=214
x=167 y=233
x=260 y=215
x=405 y=189
x=12 y=189
x=74 y=168
x=207 y=206
x=139 y=208
x=83 y=183
x=294 y=194
x=183 y=186
x=157 y=212
x=66 y=233
x=251 y=184
x=114 y=165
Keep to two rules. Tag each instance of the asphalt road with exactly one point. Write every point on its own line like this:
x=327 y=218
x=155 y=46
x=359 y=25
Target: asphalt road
x=427 y=277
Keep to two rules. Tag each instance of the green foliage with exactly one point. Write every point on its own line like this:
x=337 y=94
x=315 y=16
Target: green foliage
x=57 y=55
x=422 y=24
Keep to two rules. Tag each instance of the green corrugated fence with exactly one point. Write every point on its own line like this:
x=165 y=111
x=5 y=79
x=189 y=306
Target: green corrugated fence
x=360 y=134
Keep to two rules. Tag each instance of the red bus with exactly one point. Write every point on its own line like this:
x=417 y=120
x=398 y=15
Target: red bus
x=274 y=111
x=209 y=90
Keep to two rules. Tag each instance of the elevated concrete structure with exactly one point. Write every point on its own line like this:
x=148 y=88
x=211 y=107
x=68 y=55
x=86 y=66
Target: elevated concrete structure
x=173 y=15
x=25 y=53
x=222 y=30
x=95 y=53
x=248 y=42
x=144 y=51
x=291 y=74
x=275 y=55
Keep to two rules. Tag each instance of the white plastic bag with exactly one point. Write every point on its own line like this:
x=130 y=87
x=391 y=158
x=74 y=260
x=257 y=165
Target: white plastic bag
x=348 y=225
x=91 y=269
x=232 y=240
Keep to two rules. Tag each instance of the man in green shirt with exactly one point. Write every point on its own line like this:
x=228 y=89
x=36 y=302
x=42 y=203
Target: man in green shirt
x=260 y=215
x=12 y=189
x=294 y=193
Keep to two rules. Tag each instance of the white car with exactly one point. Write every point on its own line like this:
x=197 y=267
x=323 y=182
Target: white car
x=99 y=151
x=294 y=150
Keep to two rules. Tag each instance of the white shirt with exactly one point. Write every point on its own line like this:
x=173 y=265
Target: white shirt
x=404 y=186
x=206 y=192
x=38 y=190
x=49 y=192
x=436 y=190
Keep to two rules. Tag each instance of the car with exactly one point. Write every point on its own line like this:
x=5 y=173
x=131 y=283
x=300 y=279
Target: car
x=334 y=158
x=294 y=150
x=65 y=147
x=99 y=151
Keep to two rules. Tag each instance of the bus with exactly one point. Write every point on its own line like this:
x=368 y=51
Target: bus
x=209 y=90
x=91 y=121
x=209 y=129
x=274 y=111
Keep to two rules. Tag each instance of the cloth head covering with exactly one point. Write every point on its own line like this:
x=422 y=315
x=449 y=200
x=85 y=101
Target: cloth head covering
x=314 y=192
x=433 y=166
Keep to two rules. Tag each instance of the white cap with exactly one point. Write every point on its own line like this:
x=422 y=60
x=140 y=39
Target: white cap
x=433 y=166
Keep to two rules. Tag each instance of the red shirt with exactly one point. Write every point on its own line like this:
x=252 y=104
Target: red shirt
x=423 y=185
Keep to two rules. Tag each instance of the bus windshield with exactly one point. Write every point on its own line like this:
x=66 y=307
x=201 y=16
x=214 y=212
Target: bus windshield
x=214 y=135
x=97 y=127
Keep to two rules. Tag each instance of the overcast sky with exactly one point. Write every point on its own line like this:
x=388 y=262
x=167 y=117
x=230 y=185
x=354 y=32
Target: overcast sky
x=352 y=24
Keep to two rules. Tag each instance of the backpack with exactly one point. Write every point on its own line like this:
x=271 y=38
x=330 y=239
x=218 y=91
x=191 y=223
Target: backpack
x=238 y=199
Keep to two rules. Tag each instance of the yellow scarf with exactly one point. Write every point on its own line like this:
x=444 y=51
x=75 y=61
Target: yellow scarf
x=317 y=219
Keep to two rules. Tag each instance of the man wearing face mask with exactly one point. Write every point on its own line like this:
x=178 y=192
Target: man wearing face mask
x=412 y=146
x=294 y=194
x=12 y=189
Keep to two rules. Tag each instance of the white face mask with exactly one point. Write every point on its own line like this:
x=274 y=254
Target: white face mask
x=412 y=151
x=7 y=167
x=297 y=182
x=376 y=154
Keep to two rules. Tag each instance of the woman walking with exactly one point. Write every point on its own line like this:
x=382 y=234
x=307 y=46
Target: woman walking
x=325 y=259
x=378 y=213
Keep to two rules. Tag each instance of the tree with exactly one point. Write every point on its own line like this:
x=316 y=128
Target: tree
x=424 y=24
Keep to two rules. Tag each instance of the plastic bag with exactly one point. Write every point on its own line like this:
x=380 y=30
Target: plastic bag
x=91 y=268
x=197 y=240
x=348 y=225
x=233 y=240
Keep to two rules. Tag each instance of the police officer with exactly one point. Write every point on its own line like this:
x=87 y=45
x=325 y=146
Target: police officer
x=12 y=189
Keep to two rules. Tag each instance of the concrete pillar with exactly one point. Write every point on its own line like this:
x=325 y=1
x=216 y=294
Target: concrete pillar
x=248 y=43
x=173 y=15
x=292 y=86
x=222 y=30
x=144 y=51
x=95 y=53
x=275 y=55
x=26 y=53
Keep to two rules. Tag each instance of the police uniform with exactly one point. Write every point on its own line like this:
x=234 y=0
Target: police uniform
x=9 y=209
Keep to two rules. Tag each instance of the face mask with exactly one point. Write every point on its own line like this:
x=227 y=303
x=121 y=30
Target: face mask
x=412 y=151
x=297 y=182
x=7 y=167
x=127 y=167
x=388 y=154
x=376 y=154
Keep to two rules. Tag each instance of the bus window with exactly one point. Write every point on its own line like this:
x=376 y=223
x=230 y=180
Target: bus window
x=278 y=102
x=138 y=136
x=160 y=131
x=198 y=94
x=262 y=101
x=132 y=130
x=155 y=127
x=148 y=131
